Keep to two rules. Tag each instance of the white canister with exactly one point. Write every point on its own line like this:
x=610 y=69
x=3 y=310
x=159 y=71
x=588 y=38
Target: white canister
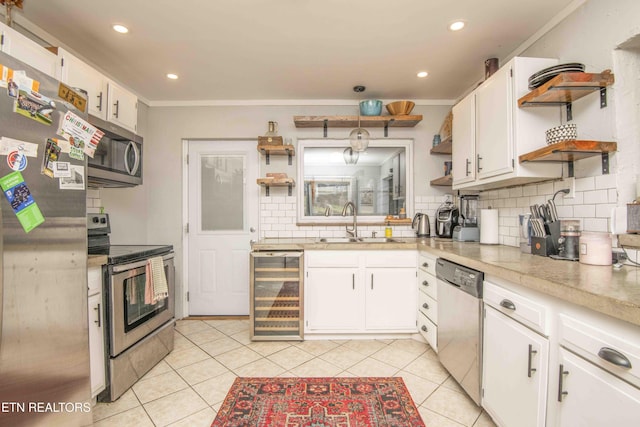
x=595 y=248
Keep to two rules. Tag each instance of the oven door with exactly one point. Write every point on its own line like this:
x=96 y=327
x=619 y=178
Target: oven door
x=130 y=317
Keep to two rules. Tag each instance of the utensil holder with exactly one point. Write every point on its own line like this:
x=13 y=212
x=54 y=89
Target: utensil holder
x=547 y=245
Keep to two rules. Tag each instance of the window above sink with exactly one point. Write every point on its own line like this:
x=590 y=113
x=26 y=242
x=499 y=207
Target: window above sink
x=378 y=184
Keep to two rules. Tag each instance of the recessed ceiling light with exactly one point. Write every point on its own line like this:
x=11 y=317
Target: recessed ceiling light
x=456 y=25
x=172 y=76
x=120 y=29
x=423 y=74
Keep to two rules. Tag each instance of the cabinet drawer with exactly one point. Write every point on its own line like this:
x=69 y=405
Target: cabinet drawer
x=428 y=306
x=427 y=262
x=428 y=330
x=604 y=347
x=427 y=283
x=390 y=258
x=331 y=258
x=521 y=308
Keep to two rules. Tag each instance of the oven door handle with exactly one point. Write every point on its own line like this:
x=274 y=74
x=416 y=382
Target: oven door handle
x=125 y=267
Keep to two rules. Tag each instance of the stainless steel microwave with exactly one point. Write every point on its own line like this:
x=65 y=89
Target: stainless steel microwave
x=117 y=161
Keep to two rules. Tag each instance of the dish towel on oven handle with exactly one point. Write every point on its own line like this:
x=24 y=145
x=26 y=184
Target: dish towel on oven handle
x=156 y=284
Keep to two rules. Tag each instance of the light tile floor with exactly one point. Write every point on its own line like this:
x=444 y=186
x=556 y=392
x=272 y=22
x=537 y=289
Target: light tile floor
x=189 y=385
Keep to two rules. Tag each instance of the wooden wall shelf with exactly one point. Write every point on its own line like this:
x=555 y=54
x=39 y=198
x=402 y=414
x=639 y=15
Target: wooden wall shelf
x=570 y=151
x=277 y=150
x=566 y=88
x=352 y=122
x=276 y=182
x=445 y=147
x=443 y=181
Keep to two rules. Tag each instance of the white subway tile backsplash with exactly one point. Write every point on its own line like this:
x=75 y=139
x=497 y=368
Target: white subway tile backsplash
x=585 y=184
x=530 y=190
x=515 y=192
x=584 y=211
x=596 y=196
x=605 y=181
x=546 y=188
x=596 y=224
x=605 y=210
x=613 y=195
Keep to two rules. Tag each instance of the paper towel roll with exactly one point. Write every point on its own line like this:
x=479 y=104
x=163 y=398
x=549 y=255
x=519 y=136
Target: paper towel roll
x=489 y=226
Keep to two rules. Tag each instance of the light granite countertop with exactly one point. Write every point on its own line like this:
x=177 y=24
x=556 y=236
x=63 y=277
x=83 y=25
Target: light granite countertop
x=614 y=292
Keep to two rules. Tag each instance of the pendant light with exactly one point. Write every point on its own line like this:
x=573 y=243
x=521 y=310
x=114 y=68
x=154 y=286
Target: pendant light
x=350 y=156
x=359 y=137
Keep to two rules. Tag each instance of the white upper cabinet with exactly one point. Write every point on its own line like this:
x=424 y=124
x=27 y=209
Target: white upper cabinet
x=107 y=100
x=464 y=135
x=122 y=107
x=22 y=48
x=490 y=131
x=75 y=73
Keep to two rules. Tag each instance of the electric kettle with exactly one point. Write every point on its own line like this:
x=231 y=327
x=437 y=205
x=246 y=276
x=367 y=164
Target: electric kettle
x=423 y=228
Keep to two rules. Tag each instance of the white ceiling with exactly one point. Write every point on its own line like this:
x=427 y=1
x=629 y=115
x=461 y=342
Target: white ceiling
x=239 y=50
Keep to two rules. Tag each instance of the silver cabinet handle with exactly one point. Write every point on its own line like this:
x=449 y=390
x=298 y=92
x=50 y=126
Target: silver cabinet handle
x=467 y=171
x=353 y=281
x=99 y=321
x=371 y=280
x=561 y=375
x=478 y=164
x=425 y=283
x=614 y=357
x=99 y=107
x=531 y=370
x=425 y=306
x=424 y=328
x=507 y=304
x=117 y=105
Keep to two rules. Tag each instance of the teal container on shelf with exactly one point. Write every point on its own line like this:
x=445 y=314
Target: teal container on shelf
x=370 y=107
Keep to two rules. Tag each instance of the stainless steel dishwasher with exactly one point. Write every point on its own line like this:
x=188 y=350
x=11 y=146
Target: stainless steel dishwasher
x=460 y=324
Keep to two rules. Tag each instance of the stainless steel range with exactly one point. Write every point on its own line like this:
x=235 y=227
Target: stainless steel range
x=140 y=331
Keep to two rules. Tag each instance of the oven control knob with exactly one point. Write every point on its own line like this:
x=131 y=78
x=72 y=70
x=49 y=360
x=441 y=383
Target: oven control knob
x=95 y=220
x=103 y=220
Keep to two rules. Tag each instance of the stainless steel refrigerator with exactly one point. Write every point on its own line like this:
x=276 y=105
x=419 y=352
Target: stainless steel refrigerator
x=44 y=347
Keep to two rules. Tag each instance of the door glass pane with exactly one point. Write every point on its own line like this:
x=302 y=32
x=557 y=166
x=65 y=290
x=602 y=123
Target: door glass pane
x=222 y=193
x=140 y=307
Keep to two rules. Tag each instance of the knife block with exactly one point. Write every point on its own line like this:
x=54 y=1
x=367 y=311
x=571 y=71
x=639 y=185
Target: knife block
x=547 y=245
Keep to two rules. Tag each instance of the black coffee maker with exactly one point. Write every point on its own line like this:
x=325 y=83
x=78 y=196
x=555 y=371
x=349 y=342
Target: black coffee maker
x=446 y=220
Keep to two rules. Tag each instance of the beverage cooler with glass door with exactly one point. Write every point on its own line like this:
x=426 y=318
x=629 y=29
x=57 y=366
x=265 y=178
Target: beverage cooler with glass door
x=276 y=296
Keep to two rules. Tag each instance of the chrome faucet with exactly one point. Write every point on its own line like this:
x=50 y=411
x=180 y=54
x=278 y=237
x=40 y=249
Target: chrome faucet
x=353 y=231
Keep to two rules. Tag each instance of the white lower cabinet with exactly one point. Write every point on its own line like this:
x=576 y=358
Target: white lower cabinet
x=96 y=331
x=427 y=299
x=360 y=291
x=591 y=397
x=515 y=371
x=332 y=300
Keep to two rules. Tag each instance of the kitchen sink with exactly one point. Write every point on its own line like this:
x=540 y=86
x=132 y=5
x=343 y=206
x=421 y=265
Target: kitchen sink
x=376 y=240
x=338 y=240
x=356 y=240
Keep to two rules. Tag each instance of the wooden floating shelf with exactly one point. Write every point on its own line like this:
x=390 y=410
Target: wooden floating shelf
x=569 y=151
x=444 y=181
x=352 y=121
x=566 y=88
x=445 y=147
x=398 y=221
x=277 y=150
x=276 y=182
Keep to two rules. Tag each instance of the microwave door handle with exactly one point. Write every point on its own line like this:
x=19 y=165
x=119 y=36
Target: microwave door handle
x=136 y=161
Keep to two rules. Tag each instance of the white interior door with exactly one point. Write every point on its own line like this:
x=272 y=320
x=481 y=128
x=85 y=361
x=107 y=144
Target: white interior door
x=223 y=219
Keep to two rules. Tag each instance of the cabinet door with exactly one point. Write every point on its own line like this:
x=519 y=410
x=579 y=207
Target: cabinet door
x=76 y=73
x=594 y=397
x=391 y=298
x=96 y=343
x=122 y=107
x=494 y=129
x=515 y=366
x=333 y=299
x=464 y=140
x=27 y=51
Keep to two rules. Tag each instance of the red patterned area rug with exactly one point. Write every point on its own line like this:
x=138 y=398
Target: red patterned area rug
x=318 y=402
